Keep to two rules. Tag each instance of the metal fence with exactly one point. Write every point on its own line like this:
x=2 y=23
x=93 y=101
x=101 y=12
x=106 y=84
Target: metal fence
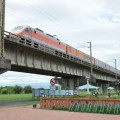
x=48 y=92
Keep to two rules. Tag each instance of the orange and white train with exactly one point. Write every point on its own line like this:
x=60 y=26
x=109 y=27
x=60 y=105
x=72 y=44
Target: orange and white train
x=38 y=36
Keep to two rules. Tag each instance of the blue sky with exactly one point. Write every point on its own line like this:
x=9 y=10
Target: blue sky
x=74 y=22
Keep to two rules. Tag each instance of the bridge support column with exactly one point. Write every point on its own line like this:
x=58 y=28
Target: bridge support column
x=117 y=88
x=72 y=82
x=103 y=86
x=5 y=65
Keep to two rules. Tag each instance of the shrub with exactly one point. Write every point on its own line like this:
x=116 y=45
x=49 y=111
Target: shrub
x=28 y=89
x=17 y=89
x=4 y=91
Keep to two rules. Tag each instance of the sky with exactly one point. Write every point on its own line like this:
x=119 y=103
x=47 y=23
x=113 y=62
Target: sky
x=75 y=22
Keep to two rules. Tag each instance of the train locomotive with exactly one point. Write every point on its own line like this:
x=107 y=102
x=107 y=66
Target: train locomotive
x=37 y=35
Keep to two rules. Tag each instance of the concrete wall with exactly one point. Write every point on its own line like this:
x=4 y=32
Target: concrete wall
x=65 y=102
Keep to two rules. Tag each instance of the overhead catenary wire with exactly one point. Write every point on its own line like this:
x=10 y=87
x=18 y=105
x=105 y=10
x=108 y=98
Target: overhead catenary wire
x=30 y=18
x=45 y=14
x=49 y=15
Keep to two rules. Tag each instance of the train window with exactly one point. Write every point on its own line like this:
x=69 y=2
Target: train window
x=17 y=29
x=49 y=35
x=28 y=30
x=58 y=39
x=34 y=31
x=39 y=29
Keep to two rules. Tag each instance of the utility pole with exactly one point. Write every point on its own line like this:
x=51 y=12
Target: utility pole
x=5 y=64
x=115 y=70
x=91 y=70
x=2 y=22
x=117 y=81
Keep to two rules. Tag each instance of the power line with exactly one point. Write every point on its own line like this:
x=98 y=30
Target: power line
x=46 y=13
x=35 y=7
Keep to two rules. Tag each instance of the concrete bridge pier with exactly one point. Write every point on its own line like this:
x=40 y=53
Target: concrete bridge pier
x=103 y=86
x=117 y=88
x=71 y=82
x=5 y=65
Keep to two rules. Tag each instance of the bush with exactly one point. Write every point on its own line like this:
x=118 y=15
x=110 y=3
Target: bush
x=4 y=91
x=10 y=89
x=17 y=89
x=28 y=89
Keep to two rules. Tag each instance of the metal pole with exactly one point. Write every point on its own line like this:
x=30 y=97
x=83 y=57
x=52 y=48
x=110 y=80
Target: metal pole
x=2 y=23
x=116 y=76
x=91 y=71
x=90 y=46
x=115 y=70
x=88 y=92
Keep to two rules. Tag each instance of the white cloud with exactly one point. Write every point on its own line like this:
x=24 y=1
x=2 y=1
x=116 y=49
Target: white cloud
x=73 y=22
x=12 y=78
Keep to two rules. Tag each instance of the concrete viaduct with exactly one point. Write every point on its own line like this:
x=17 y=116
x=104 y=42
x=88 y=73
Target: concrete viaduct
x=26 y=56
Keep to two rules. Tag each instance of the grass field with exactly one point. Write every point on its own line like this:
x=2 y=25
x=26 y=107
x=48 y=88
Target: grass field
x=113 y=95
x=17 y=99
x=29 y=96
x=15 y=96
x=26 y=99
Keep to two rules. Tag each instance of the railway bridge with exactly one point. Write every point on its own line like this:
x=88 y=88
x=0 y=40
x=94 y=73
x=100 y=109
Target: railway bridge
x=23 y=55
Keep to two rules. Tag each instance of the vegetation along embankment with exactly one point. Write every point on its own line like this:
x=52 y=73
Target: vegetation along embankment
x=16 y=95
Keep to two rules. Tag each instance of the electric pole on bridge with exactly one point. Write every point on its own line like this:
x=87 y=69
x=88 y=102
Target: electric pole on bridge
x=2 y=23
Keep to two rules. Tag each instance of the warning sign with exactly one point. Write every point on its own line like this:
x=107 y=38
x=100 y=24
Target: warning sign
x=52 y=81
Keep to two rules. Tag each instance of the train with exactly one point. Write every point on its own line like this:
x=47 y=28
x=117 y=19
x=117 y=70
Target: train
x=37 y=35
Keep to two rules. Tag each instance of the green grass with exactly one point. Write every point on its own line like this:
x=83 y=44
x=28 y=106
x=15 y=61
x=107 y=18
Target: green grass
x=15 y=96
x=30 y=102
x=19 y=100
x=113 y=95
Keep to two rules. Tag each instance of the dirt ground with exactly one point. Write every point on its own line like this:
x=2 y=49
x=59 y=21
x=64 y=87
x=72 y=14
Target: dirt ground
x=30 y=113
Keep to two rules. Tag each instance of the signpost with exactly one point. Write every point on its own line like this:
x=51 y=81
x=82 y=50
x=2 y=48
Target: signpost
x=52 y=87
x=52 y=81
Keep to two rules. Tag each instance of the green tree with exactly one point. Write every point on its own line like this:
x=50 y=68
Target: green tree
x=28 y=89
x=4 y=90
x=41 y=88
x=17 y=89
x=10 y=89
x=0 y=89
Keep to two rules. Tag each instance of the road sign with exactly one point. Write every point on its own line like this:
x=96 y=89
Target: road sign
x=52 y=81
x=52 y=87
